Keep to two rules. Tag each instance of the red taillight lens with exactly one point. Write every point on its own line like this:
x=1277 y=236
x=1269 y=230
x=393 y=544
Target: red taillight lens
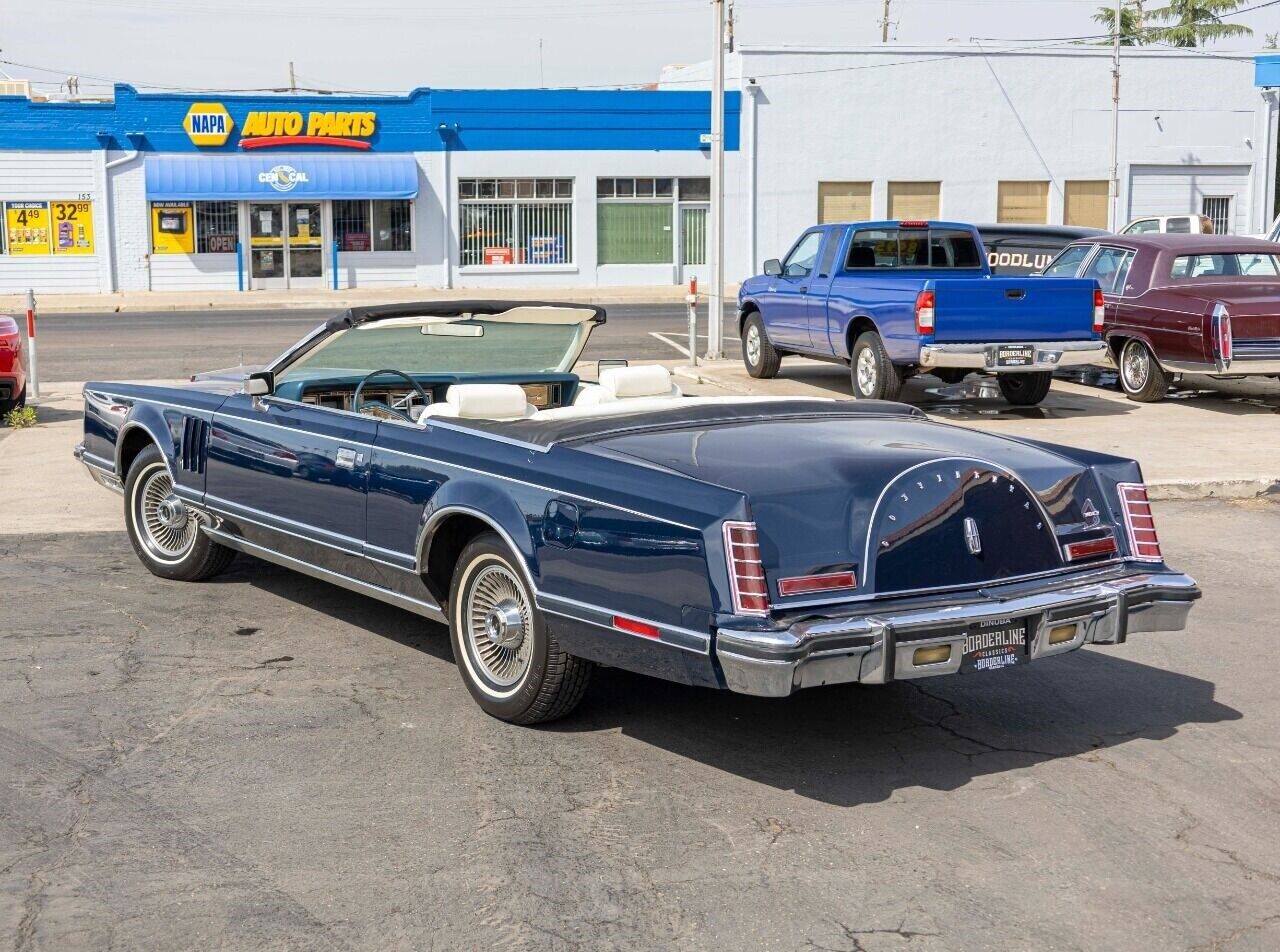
x=746 y=571
x=1099 y=310
x=913 y=223
x=925 y=302
x=810 y=584
x=1222 y=334
x=633 y=627
x=1090 y=549
x=1140 y=522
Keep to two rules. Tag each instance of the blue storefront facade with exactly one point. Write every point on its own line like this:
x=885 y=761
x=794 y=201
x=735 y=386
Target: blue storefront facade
x=438 y=188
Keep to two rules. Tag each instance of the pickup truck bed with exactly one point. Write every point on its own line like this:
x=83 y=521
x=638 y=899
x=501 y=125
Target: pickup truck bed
x=893 y=299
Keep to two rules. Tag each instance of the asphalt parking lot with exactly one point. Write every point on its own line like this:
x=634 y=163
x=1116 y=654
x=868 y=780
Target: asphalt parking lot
x=267 y=762
x=264 y=762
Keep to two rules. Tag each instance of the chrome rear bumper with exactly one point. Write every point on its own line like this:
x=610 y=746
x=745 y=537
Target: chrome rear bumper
x=1048 y=356
x=878 y=646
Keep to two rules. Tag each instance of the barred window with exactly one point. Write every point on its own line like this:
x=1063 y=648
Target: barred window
x=515 y=221
x=379 y=225
x=217 y=227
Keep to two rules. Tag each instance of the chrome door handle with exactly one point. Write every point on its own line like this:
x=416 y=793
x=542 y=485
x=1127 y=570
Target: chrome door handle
x=346 y=458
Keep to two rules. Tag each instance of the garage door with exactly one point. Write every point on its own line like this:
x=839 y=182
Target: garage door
x=1162 y=190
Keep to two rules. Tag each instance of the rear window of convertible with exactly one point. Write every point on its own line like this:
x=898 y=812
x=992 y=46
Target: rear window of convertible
x=912 y=248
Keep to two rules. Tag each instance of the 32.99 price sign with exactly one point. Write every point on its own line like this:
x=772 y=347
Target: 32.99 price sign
x=41 y=228
x=72 y=228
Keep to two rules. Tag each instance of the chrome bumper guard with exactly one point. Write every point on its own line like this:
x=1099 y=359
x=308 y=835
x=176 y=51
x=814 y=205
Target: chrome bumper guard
x=879 y=646
x=1047 y=356
x=101 y=476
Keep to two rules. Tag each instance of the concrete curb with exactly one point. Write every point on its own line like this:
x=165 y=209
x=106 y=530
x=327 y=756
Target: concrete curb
x=1190 y=489
x=337 y=300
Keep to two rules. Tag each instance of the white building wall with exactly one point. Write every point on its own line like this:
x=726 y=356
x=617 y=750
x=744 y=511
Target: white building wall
x=969 y=120
x=52 y=176
x=130 y=223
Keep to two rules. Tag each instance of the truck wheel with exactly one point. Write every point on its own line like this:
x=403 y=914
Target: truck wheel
x=757 y=353
x=513 y=667
x=163 y=531
x=873 y=374
x=1141 y=376
x=1025 y=390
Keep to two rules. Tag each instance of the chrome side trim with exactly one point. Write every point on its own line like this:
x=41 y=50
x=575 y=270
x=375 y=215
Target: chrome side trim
x=872 y=649
x=353 y=545
x=684 y=638
x=428 y=609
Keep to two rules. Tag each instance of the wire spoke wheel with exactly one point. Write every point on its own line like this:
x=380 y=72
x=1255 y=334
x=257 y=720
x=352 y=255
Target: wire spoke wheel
x=498 y=626
x=168 y=529
x=1135 y=366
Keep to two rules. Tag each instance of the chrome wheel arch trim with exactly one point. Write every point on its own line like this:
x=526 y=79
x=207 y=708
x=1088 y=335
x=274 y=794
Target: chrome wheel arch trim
x=426 y=535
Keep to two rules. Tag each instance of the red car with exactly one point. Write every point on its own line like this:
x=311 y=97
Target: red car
x=13 y=372
x=1206 y=304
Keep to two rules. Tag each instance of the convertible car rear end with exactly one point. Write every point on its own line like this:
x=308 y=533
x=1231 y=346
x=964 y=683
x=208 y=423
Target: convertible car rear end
x=447 y=459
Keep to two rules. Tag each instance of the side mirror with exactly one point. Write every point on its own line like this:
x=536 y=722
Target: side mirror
x=260 y=384
x=773 y=268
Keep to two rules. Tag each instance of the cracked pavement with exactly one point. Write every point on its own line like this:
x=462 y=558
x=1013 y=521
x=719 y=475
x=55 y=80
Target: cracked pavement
x=267 y=762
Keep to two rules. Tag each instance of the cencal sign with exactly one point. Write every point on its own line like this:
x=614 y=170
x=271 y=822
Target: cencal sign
x=282 y=178
x=209 y=124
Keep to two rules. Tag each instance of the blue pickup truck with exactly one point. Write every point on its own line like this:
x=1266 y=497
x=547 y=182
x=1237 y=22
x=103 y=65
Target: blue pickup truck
x=896 y=298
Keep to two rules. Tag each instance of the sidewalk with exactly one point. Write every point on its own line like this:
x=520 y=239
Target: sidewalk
x=1206 y=445
x=336 y=300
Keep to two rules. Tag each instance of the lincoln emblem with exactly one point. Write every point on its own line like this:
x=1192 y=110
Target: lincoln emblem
x=971 y=536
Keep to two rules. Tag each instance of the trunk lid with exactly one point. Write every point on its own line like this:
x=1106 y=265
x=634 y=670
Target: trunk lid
x=827 y=495
x=999 y=310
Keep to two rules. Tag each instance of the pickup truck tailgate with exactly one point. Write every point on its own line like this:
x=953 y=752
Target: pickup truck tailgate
x=1013 y=309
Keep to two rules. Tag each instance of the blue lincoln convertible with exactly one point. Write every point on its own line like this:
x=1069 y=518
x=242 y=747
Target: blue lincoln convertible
x=446 y=458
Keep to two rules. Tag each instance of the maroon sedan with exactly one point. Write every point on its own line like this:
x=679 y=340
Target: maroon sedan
x=13 y=372
x=1207 y=304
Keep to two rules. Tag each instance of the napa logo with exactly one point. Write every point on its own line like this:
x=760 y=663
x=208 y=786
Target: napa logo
x=282 y=178
x=208 y=124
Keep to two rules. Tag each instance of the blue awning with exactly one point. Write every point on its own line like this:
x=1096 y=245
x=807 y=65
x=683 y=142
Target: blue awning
x=298 y=175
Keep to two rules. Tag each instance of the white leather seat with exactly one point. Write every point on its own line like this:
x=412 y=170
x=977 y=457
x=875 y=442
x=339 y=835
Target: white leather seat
x=629 y=383
x=481 y=401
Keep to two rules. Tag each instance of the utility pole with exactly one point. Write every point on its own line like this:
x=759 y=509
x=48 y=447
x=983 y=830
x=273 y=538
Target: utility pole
x=884 y=23
x=293 y=85
x=715 y=299
x=1115 y=122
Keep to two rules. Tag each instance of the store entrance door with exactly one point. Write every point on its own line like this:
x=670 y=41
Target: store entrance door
x=286 y=245
x=692 y=242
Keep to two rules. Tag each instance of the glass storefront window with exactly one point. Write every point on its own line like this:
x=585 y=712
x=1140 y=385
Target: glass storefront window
x=393 y=225
x=217 y=227
x=515 y=221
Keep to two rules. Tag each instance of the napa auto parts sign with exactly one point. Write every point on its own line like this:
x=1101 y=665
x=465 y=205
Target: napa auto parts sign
x=210 y=125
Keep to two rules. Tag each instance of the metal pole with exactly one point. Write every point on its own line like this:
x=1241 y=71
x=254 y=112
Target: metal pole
x=884 y=24
x=692 y=300
x=1115 y=122
x=715 y=300
x=32 y=370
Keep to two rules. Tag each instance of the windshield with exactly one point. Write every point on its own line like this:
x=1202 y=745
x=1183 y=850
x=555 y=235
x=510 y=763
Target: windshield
x=1242 y=264
x=549 y=340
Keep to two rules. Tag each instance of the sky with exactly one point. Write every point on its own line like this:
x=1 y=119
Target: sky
x=396 y=45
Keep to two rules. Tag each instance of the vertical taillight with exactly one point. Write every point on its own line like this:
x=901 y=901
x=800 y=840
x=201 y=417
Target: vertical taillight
x=1222 y=334
x=925 y=302
x=746 y=571
x=1140 y=522
x=1099 y=310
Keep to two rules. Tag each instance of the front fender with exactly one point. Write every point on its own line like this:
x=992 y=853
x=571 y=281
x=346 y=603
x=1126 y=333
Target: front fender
x=149 y=420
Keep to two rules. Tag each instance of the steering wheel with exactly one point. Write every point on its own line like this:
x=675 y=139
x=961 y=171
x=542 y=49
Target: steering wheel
x=382 y=408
